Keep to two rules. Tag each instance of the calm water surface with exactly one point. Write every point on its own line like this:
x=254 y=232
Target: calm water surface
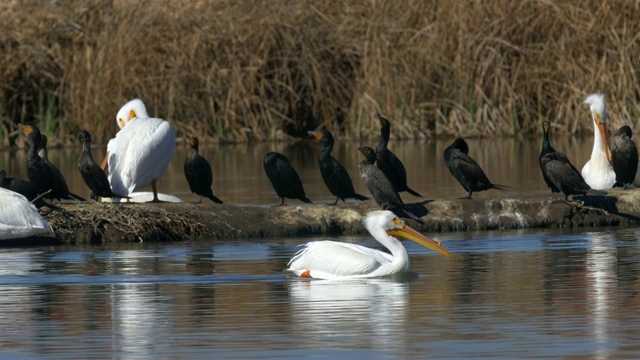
x=508 y=294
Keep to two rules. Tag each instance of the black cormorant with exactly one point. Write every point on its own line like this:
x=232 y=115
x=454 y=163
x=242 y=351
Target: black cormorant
x=546 y=148
x=388 y=162
x=624 y=157
x=91 y=172
x=335 y=176
x=379 y=185
x=198 y=172
x=42 y=173
x=42 y=148
x=466 y=170
x=283 y=177
x=25 y=188
x=564 y=175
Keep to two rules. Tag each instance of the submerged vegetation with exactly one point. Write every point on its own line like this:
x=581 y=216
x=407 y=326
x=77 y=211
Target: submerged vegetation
x=262 y=70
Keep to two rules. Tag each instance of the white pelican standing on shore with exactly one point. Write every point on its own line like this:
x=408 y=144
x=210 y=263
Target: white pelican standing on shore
x=141 y=151
x=598 y=171
x=18 y=217
x=337 y=260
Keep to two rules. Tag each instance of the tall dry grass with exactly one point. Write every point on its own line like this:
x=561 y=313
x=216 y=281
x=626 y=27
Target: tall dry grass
x=259 y=70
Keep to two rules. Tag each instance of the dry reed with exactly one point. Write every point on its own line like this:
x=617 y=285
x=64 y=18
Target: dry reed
x=261 y=70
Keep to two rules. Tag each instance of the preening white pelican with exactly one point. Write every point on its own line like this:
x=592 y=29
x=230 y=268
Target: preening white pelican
x=337 y=260
x=141 y=150
x=18 y=217
x=598 y=171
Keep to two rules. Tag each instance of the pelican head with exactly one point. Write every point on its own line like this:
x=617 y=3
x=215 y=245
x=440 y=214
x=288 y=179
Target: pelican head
x=394 y=226
x=597 y=107
x=599 y=116
x=129 y=111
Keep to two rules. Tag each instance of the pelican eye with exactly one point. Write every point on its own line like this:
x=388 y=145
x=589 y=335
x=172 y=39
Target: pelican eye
x=598 y=118
x=397 y=221
x=121 y=122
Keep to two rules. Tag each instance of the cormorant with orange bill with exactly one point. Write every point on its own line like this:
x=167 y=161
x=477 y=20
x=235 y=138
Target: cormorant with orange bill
x=565 y=176
x=42 y=173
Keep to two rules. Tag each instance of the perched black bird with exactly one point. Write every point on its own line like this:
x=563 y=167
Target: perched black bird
x=388 y=162
x=335 y=176
x=43 y=174
x=25 y=188
x=546 y=148
x=564 y=175
x=466 y=170
x=283 y=177
x=380 y=186
x=42 y=149
x=198 y=172
x=624 y=157
x=91 y=172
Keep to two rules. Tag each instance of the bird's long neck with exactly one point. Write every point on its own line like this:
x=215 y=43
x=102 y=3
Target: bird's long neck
x=32 y=152
x=398 y=251
x=86 y=149
x=193 y=151
x=327 y=147
x=600 y=149
x=545 y=140
x=385 y=133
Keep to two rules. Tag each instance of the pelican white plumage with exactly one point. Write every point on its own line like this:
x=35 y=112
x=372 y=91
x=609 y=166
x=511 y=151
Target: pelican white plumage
x=598 y=171
x=337 y=260
x=18 y=217
x=143 y=197
x=141 y=151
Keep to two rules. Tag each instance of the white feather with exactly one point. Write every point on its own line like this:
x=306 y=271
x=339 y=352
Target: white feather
x=598 y=171
x=336 y=260
x=18 y=217
x=143 y=197
x=141 y=150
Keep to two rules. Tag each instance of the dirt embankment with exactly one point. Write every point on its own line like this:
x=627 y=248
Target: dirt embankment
x=102 y=223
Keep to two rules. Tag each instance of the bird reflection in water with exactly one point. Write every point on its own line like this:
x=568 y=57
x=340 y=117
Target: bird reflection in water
x=341 y=310
x=141 y=311
x=602 y=288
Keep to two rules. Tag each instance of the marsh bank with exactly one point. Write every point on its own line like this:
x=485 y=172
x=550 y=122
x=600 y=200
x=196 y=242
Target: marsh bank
x=90 y=222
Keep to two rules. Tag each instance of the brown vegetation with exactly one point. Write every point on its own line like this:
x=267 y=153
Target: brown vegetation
x=259 y=70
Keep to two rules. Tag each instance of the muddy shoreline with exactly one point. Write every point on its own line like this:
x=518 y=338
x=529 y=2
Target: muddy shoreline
x=97 y=223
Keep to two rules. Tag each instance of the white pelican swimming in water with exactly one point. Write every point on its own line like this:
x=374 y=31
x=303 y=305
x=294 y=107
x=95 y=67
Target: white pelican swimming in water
x=598 y=171
x=141 y=150
x=18 y=217
x=337 y=260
